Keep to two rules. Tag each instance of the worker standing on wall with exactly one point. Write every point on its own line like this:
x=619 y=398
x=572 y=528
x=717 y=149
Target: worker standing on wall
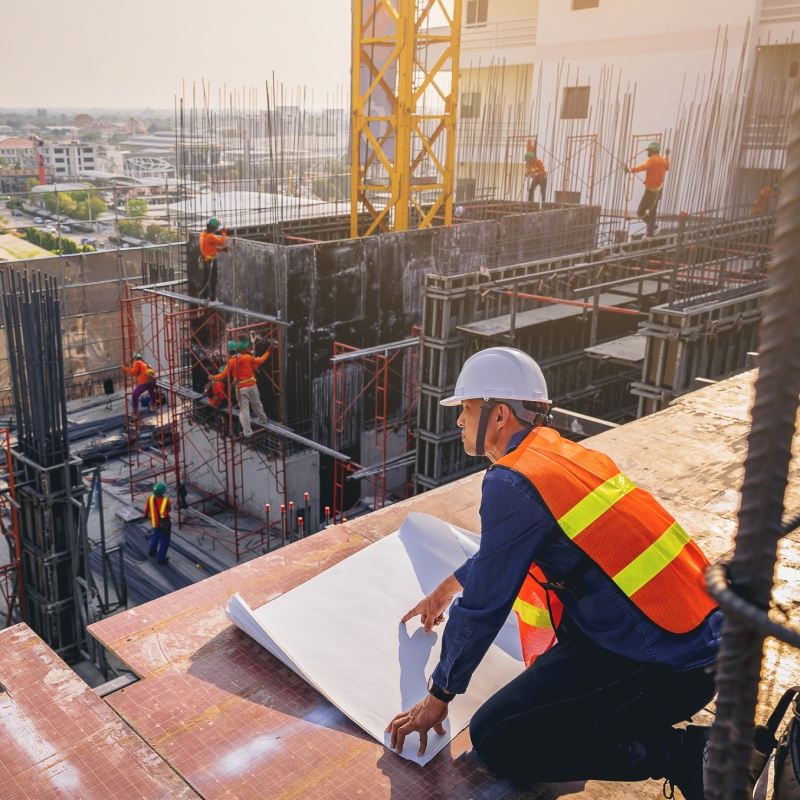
x=654 y=170
x=618 y=633
x=210 y=245
x=535 y=174
x=241 y=368
x=145 y=382
x=157 y=511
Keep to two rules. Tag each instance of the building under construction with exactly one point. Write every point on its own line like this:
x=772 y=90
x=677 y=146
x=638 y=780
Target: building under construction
x=371 y=259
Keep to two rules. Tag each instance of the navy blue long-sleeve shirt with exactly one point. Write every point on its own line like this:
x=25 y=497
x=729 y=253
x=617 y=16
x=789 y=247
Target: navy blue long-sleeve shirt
x=517 y=529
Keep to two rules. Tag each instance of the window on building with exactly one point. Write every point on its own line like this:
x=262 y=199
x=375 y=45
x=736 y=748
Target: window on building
x=579 y=5
x=576 y=102
x=477 y=12
x=59 y=150
x=59 y=161
x=470 y=105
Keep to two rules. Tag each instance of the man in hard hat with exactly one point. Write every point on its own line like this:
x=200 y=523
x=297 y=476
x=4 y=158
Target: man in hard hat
x=535 y=174
x=766 y=200
x=241 y=368
x=654 y=168
x=210 y=245
x=618 y=633
x=145 y=382
x=157 y=511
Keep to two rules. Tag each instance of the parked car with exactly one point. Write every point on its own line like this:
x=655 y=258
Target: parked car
x=66 y=229
x=38 y=220
x=49 y=229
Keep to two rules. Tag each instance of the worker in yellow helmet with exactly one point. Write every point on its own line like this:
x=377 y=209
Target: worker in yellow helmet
x=535 y=174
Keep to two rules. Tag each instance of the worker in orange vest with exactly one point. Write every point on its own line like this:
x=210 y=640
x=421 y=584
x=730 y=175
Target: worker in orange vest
x=145 y=382
x=618 y=633
x=766 y=200
x=241 y=368
x=210 y=245
x=654 y=168
x=157 y=510
x=535 y=174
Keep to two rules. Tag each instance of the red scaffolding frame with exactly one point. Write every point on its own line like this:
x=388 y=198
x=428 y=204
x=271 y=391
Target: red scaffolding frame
x=188 y=344
x=386 y=368
x=11 y=583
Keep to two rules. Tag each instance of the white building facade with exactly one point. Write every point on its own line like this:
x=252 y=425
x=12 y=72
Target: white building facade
x=591 y=82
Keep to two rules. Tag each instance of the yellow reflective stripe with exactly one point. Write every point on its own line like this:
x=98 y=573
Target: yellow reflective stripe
x=595 y=504
x=646 y=566
x=163 y=507
x=532 y=615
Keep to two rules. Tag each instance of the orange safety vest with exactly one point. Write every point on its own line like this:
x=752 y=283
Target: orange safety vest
x=622 y=528
x=156 y=513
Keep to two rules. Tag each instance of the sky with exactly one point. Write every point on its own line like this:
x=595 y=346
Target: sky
x=146 y=53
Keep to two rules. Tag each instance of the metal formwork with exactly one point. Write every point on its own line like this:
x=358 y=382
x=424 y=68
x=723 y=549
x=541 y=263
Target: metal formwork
x=707 y=274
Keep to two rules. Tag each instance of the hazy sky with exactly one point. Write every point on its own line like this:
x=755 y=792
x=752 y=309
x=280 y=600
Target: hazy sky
x=143 y=53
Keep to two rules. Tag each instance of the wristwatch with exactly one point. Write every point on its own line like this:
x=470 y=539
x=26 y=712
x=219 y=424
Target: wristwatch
x=439 y=693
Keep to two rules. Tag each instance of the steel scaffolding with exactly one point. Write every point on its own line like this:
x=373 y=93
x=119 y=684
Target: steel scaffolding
x=11 y=585
x=386 y=378
x=188 y=443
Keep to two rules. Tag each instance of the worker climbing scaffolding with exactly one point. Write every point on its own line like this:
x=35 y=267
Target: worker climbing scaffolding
x=241 y=368
x=145 y=382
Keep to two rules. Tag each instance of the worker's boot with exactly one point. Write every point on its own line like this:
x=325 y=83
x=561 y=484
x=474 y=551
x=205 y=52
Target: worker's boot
x=687 y=763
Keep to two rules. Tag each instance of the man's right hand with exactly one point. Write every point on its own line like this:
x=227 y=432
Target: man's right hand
x=431 y=608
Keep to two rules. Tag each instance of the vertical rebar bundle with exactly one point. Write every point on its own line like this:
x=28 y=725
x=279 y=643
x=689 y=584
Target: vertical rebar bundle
x=760 y=517
x=32 y=314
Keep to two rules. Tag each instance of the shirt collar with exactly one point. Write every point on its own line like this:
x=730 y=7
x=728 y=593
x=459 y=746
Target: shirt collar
x=516 y=440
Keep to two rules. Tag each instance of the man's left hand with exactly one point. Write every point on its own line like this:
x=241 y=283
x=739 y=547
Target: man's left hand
x=428 y=713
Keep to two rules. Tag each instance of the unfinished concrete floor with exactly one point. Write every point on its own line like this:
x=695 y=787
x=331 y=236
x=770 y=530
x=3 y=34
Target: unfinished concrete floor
x=233 y=722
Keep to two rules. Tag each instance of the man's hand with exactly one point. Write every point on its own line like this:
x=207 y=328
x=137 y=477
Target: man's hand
x=666 y=152
x=625 y=168
x=428 y=713
x=431 y=608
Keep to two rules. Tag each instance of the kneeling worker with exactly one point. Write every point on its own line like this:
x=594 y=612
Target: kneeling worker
x=618 y=633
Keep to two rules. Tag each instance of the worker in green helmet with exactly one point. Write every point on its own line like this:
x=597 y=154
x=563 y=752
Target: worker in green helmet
x=157 y=511
x=145 y=382
x=654 y=169
x=210 y=245
x=535 y=173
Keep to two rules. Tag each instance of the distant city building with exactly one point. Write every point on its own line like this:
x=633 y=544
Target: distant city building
x=83 y=120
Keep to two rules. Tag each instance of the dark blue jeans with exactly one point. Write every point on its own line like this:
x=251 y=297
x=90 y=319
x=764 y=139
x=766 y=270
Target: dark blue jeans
x=160 y=540
x=580 y=712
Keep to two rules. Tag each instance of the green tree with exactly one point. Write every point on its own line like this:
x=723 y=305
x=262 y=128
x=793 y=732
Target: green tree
x=89 y=205
x=136 y=208
x=131 y=227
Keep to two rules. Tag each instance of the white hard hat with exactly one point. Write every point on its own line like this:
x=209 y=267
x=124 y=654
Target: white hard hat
x=459 y=211
x=502 y=373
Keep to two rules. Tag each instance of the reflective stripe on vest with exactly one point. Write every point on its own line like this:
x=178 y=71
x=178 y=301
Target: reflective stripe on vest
x=534 y=609
x=630 y=536
x=155 y=513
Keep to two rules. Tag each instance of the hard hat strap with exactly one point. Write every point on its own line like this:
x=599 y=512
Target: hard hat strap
x=483 y=423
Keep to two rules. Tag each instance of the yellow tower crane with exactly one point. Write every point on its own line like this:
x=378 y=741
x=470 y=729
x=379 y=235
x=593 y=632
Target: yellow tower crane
x=404 y=85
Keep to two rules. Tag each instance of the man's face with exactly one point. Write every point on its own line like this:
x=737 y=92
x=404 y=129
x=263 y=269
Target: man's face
x=468 y=422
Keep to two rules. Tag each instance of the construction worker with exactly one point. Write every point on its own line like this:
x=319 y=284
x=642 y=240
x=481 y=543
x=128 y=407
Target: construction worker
x=217 y=394
x=654 y=168
x=157 y=511
x=766 y=200
x=145 y=382
x=618 y=633
x=535 y=173
x=241 y=368
x=210 y=245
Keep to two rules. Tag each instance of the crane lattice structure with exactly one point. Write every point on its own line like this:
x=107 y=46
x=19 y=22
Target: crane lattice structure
x=404 y=73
